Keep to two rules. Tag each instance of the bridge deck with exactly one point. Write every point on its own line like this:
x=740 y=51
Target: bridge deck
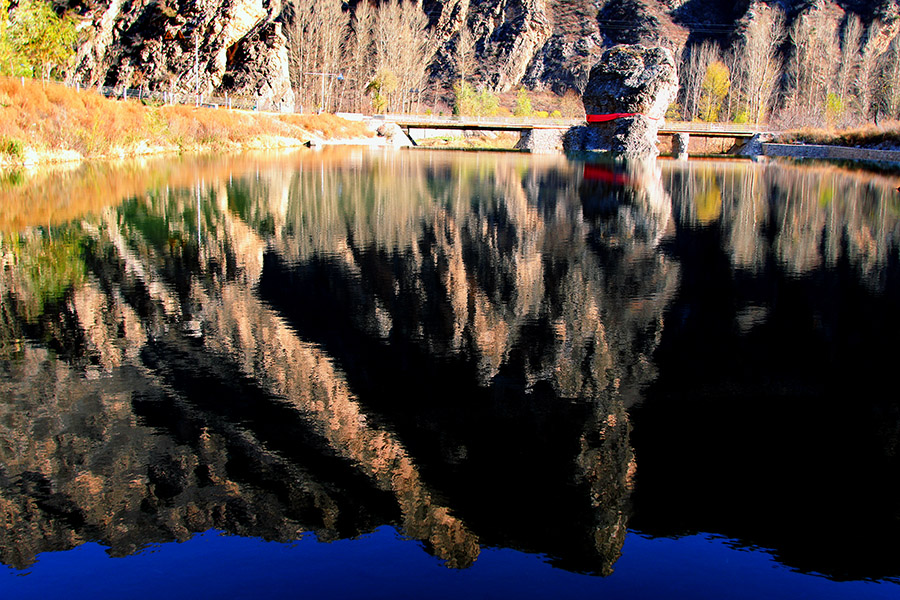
x=714 y=130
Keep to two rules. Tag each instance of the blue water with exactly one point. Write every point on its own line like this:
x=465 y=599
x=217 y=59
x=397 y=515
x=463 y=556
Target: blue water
x=385 y=565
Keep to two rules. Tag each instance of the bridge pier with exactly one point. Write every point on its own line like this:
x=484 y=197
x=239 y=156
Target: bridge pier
x=680 y=145
x=541 y=141
x=408 y=132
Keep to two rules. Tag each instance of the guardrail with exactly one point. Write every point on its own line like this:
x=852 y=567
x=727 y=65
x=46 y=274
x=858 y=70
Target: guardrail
x=463 y=120
x=723 y=127
x=208 y=101
x=509 y=122
x=262 y=104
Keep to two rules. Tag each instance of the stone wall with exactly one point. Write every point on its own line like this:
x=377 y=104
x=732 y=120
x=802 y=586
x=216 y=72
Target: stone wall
x=542 y=141
x=830 y=152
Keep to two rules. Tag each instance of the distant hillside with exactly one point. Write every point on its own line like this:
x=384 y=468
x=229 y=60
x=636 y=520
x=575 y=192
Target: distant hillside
x=274 y=49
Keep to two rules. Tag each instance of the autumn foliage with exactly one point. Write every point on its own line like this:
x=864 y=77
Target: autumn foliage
x=56 y=120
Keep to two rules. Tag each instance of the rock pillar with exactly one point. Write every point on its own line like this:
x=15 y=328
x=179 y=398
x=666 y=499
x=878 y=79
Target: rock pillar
x=638 y=83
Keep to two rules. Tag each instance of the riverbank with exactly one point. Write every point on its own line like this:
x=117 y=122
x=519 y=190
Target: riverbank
x=874 y=144
x=47 y=123
x=885 y=136
x=830 y=152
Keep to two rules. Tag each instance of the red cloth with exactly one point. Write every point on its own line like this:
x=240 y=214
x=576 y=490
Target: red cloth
x=604 y=174
x=609 y=117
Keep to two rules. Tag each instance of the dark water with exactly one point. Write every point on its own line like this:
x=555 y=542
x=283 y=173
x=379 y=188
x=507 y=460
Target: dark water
x=358 y=374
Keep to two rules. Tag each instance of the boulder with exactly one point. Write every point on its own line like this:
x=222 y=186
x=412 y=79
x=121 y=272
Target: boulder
x=630 y=79
x=394 y=135
x=753 y=148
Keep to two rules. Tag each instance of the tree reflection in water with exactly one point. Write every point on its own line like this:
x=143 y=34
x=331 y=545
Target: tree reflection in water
x=331 y=342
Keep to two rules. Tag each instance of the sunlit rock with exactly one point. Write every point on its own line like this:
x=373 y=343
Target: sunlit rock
x=634 y=81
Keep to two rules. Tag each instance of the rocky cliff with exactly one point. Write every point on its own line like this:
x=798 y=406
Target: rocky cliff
x=238 y=46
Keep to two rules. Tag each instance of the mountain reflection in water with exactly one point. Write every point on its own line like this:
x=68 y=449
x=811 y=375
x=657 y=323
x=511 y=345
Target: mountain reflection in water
x=455 y=345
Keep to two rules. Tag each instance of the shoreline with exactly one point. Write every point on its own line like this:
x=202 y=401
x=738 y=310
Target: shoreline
x=32 y=158
x=48 y=123
x=830 y=152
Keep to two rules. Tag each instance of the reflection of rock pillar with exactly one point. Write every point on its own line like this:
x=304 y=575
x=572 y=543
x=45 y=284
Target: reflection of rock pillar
x=680 y=145
x=629 y=212
x=607 y=465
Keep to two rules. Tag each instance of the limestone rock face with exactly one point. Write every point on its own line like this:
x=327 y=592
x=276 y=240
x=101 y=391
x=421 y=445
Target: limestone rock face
x=506 y=35
x=259 y=68
x=630 y=79
x=188 y=46
x=236 y=46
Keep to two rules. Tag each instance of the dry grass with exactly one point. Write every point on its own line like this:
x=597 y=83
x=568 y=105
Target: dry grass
x=869 y=136
x=501 y=141
x=54 y=119
x=329 y=126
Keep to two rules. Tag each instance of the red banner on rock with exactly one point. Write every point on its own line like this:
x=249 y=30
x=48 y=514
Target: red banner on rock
x=609 y=117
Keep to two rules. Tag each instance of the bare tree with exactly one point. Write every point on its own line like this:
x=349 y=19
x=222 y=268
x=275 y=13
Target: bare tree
x=699 y=57
x=758 y=64
x=811 y=66
x=865 y=80
x=465 y=53
x=317 y=32
x=852 y=33
x=401 y=47
x=889 y=81
x=359 y=63
x=735 y=102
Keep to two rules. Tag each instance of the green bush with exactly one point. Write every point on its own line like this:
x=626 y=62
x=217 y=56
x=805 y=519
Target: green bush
x=523 y=104
x=469 y=102
x=11 y=146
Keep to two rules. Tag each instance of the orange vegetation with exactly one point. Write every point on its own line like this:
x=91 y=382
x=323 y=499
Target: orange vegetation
x=58 y=195
x=867 y=136
x=54 y=119
x=49 y=198
x=328 y=126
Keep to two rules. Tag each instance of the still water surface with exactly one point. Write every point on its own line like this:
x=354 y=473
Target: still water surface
x=435 y=374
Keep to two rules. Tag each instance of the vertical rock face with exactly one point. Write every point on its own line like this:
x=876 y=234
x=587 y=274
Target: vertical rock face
x=636 y=80
x=576 y=43
x=506 y=35
x=185 y=46
x=523 y=28
x=236 y=46
x=259 y=67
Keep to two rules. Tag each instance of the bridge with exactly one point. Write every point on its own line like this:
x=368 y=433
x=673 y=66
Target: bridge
x=531 y=126
x=521 y=124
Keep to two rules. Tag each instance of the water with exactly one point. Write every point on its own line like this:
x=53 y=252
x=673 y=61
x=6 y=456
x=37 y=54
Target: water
x=435 y=374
